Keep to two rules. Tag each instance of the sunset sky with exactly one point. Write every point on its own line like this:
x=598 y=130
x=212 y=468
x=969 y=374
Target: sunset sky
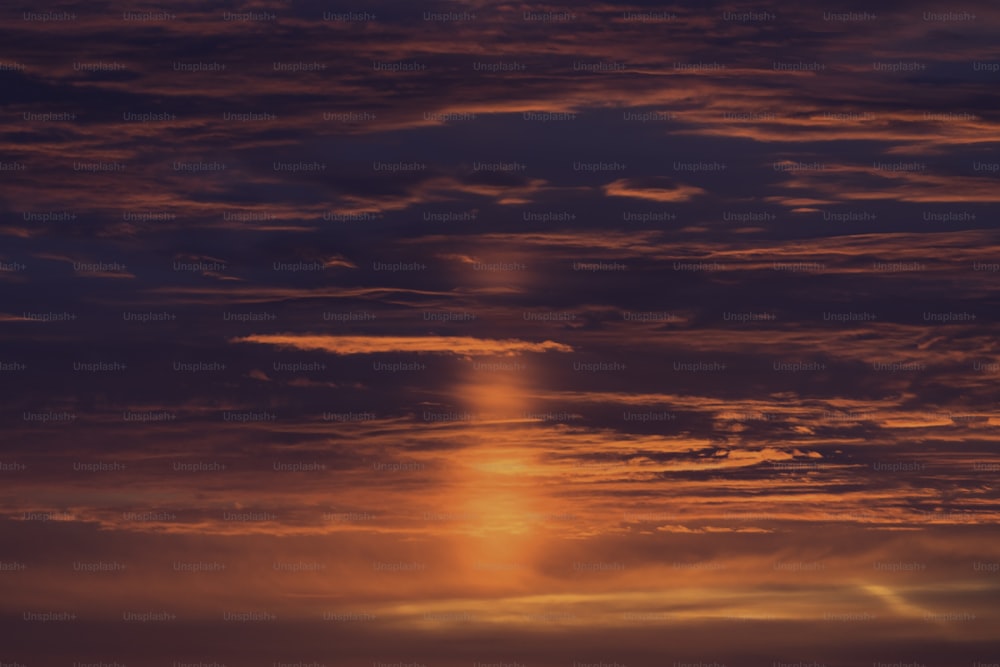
x=489 y=334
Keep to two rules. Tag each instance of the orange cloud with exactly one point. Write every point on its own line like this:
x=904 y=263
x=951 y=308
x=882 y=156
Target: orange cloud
x=625 y=187
x=460 y=345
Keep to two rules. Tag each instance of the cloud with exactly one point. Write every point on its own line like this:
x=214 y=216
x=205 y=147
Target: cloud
x=650 y=190
x=457 y=345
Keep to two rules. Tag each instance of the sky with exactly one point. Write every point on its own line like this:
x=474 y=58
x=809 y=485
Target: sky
x=490 y=334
